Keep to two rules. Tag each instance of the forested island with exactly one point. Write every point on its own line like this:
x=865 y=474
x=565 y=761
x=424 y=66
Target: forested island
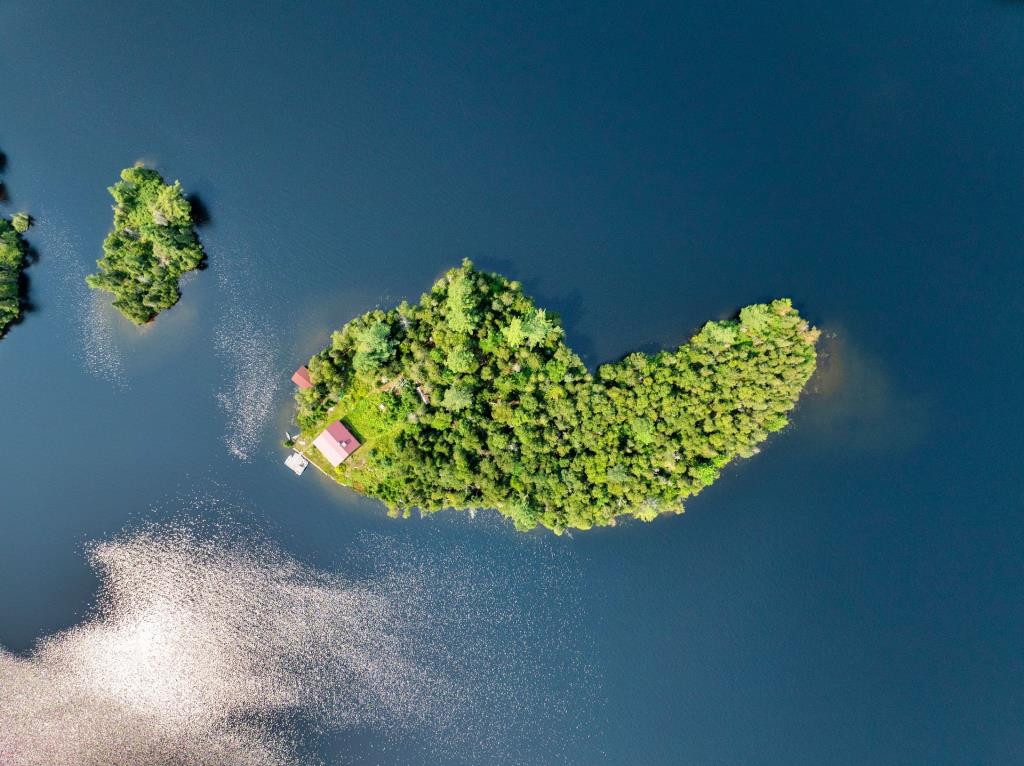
x=13 y=256
x=471 y=399
x=152 y=244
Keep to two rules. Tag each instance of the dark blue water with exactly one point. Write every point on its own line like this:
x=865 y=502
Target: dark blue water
x=851 y=595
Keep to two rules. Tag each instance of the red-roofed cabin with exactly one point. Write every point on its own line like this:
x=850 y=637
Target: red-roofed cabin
x=336 y=443
x=301 y=378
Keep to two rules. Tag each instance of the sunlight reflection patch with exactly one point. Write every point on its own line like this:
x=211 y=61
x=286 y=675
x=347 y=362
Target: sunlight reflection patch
x=201 y=653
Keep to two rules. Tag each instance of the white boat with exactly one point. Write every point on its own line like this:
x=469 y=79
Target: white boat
x=296 y=462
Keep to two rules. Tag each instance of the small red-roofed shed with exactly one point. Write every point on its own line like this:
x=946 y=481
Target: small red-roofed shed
x=301 y=378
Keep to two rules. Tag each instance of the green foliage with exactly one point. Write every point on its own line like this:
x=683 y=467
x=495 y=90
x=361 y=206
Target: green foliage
x=152 y=244
x=457 y=398
x=461 y=360
x=517 y=423
x=21 y=222
x=13 y=258
x=536 y=328
x=514 y=332
x=13 y=252
x=373 y=347
x=460 y=303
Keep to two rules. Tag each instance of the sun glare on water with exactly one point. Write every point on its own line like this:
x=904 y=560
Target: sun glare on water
x=219 y=649
x=199 y=649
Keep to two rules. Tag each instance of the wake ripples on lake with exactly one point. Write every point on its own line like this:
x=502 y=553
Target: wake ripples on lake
x=246 y=343
x=89 y=310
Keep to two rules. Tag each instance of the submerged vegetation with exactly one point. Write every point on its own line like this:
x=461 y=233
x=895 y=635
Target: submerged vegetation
x=471 y=399
x=152 y=244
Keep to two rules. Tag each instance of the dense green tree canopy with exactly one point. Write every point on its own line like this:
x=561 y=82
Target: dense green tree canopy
x=13 y=258
x=517 y=423
x=13 y=252
x=152 y=244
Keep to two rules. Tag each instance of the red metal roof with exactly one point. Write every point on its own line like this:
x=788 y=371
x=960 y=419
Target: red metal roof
x=301 y=378
x=336 y=443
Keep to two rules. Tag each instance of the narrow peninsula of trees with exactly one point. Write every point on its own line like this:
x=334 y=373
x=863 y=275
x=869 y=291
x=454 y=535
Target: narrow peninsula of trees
x=471 y=399
x=152 y=244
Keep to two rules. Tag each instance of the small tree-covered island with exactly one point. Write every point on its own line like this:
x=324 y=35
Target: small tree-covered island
x=471 y=399
x=152 y=244
x=13 y=256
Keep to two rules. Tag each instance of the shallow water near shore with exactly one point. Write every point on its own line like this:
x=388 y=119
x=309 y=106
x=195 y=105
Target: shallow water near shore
x=848 y=596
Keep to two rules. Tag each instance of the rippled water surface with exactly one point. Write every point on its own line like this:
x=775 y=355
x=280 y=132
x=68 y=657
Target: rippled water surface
x=171 y=594
x=209 y=644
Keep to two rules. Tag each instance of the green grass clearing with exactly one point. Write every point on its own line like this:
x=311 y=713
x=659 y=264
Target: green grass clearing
x=373 y=416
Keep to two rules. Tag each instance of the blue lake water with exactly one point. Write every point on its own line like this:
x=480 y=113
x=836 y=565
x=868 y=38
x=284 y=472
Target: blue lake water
x=851 y=595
